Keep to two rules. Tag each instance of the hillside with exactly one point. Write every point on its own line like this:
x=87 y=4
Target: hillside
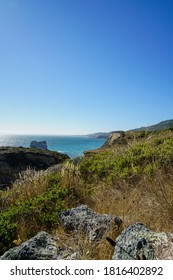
x=129 y=179
x=159 y=126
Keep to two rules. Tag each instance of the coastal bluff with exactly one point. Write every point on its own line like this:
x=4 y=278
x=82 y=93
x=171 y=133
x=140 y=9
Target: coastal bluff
x=14 y=160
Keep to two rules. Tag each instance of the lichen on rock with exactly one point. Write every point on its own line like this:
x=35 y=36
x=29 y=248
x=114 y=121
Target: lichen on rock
x=137 y=242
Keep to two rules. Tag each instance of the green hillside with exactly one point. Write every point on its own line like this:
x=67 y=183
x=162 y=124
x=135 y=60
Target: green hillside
x=133 y=181
x=159 y=126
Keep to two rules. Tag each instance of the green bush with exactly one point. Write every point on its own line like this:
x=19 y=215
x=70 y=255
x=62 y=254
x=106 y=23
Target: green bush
x=130 y=163
x=30 y=216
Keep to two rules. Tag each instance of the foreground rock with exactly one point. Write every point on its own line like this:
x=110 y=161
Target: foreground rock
x=137 y=242
x=42 y=145
x=84 y=219
x=40 y=247
x=13 y=160
x=80 y=220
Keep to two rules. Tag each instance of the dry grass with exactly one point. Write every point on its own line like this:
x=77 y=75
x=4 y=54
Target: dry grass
x=148 y=200
x=159 y=194
x=77 y=242
x=30 y=184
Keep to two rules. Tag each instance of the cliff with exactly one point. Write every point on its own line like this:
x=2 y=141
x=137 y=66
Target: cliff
x=117 y=137
x=13 y=160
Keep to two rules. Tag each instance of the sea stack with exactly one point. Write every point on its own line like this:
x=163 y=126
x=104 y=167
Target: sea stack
x=42 y=145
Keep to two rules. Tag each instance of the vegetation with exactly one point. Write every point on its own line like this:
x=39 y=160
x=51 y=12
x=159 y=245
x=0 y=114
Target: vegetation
x=140 y=158
x=159 y=126
x=30 y=206
x=134 y=181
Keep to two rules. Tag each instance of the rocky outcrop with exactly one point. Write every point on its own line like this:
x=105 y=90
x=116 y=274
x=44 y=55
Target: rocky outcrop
x=42 y=145
x=84 y=219
x=115 y=138
x=14 y=160
x=137 y=242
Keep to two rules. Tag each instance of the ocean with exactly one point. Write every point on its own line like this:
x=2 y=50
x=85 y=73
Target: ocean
x=71 y=145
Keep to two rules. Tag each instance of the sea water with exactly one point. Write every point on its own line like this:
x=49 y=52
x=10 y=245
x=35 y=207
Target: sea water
x=71 y=145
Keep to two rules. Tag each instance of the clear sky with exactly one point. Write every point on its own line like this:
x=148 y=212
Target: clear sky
x=83 y=66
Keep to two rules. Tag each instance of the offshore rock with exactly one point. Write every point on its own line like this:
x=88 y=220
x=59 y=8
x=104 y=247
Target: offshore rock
x=84 y=219
x=14 y=160
x=137 y=242
x=42 y=145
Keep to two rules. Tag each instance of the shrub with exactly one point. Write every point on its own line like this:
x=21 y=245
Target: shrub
x=25 y=218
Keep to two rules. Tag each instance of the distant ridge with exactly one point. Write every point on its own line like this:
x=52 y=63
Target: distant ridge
x=155 y=127
x=99 y=135
x=159 y=126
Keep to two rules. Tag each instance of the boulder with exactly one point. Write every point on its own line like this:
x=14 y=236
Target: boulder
x=84 y=219
x=42 y=145
x=14 y=160
x=137 y=242
x=40 y=247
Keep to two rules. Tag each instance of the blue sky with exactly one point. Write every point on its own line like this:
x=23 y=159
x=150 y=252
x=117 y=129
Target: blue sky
x=83 y=66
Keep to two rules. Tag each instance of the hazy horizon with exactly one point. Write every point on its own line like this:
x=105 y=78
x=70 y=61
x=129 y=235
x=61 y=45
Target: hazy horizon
x=90 y=133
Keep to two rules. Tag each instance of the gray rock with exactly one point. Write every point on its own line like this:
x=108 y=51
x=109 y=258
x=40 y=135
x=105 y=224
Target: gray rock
x=137 y=242
x=42 y=145
x=83 y=219
x=39 y=247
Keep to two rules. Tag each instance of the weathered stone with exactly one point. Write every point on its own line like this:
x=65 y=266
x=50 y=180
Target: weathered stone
x=137 y=242
x=83 y=219
x=40 y=247
x=42 y=145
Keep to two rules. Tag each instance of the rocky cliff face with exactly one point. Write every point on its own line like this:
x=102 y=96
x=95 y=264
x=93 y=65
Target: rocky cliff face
x=14 y=160
x=115 y=138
